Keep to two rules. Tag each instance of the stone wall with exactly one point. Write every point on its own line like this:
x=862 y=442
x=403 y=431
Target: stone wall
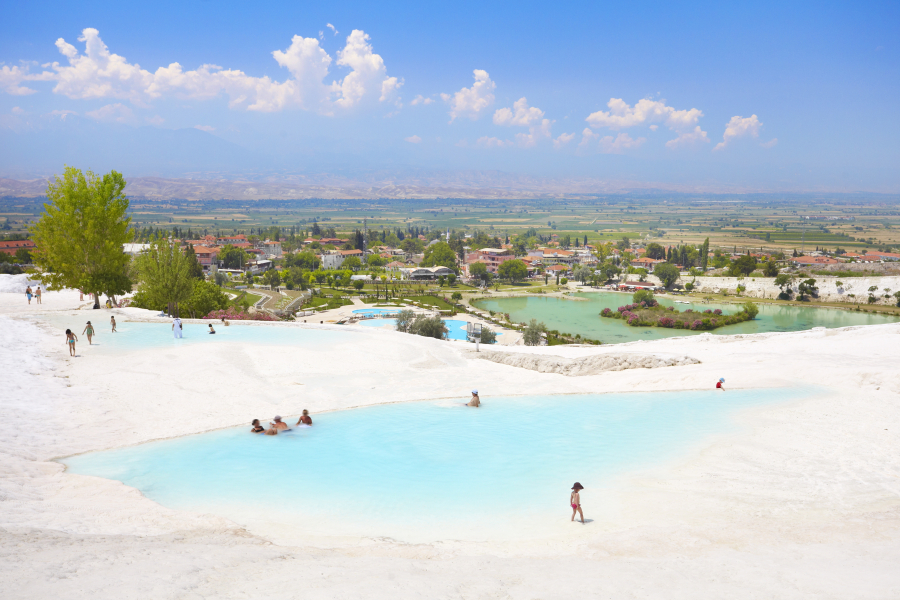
x=764 y=287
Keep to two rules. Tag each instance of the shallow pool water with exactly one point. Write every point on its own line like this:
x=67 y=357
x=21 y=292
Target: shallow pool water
x=377 y=311
x=136 y=336
x=456 y=329
x=583 y=316
x=432 y=469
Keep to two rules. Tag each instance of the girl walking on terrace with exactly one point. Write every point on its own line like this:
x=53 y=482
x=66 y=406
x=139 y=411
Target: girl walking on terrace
x=575 y=501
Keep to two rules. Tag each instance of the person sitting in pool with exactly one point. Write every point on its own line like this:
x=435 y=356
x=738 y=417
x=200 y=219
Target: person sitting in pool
x=475 y=401
x=279 y=424
x=720 y=384
x=211 y=330
x=225 y=323
x=305 y=419
x=257 y=428
x=271 y=431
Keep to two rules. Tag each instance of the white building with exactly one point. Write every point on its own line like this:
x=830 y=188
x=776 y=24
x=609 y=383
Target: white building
x=332 y=261
x=271 y=249
x=425 y=272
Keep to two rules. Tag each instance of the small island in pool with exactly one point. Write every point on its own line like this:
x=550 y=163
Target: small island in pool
x=645 y=311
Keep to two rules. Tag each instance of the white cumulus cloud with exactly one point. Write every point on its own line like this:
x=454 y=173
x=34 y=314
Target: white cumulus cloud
x=645 y=112
x=563 y=139
x=492 y=142
x=112 y=113
x=331 y=27
x=99 y=73
x=11 y=79
x=413 y=139
x=689 y=138
x=739 y=127
x=608 y=144
x=473 y=101
x=520 y=114
x=420 y=99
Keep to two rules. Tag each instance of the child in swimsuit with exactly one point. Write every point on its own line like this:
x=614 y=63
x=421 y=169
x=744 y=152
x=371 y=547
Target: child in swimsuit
x=305 y=419
x=112 y=321
x=575 y=501
x=70 y=340
x=89 y=330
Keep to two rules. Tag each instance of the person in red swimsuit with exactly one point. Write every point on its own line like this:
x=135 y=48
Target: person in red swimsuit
x=720 y=384
x=575 y=501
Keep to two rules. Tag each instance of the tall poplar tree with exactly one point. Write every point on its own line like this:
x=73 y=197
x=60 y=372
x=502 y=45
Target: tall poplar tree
x=80 y=237
x=165 y=274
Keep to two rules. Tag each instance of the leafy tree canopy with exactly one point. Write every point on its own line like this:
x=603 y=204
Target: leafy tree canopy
x=656 y=251
x=668 y=274
x=165 y=274
x=80 y=236
x=513 y=270
x=232 y=257
x=439 y=254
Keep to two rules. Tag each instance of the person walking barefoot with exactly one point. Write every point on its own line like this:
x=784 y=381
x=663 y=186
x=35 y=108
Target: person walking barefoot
x=575 y=501
x=89 y=330
x=37 y=294
x=112 y=321
x=28 y=294
x=70 y=341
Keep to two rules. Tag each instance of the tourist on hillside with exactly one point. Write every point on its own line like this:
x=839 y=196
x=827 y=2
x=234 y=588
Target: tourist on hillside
x=112 y=321
x=211 y=330
x=575 y=501
x=28 y=294
x=37 y=294
x=176 y=327
x=720 y=384
x=89 y=330
x=305 y=419
x=257 y=428
x=70 y=340
x=279 y=424
x=475 y=401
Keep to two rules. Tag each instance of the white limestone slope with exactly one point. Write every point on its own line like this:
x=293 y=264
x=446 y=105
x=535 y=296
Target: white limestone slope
x=804 y=502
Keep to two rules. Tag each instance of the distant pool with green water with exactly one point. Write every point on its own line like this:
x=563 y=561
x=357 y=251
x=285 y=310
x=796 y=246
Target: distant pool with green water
x=582 y=316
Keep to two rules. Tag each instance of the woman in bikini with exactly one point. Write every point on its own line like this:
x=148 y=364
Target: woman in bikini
x=70 y=340
x=257 y=428
x=305 y=419
x=89 y=330
x=575 y=501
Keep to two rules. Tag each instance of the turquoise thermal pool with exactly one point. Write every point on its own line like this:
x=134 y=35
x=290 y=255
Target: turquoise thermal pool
x=583 y=316
x=456 y=329
x=432 y=469
x=377 y=311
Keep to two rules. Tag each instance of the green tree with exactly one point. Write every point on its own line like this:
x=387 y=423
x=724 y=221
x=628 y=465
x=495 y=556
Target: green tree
x=81 y=234
x=352 y=262
x=488 y=336
x=439 y=254
x=533 y=333
x=358 y=284
x=479 y=271
x=807 y=288
x=654 y=250
x=743 y=265
x=205 y=298
x=751 y=309
x=667 y=273
x=272 y=278
x=165 y=275
x=513 y=270
x=306 y=260
x=643 y=296
x=771 y=268
x=232 y=257
x=23 y=256
x=456 y=297
x=196 y=267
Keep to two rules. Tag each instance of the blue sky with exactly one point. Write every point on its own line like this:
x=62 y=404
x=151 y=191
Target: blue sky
x=765 y=95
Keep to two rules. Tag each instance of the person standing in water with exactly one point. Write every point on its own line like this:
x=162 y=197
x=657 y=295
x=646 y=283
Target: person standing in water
x=279 y=424
x=70 y=341
x=720 y=384
x=211 y=330
x=575 y=501
x=176 y=327
x=305 y=419
x=112 y=321
x=28 y=294
x=37 y=294
x=475 y=401
x=89 y=330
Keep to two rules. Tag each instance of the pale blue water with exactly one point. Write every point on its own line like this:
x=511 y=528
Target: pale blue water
x=431 y=469
x=134 y=336
x=456 y=329
x=377 y=311
x=583 y=317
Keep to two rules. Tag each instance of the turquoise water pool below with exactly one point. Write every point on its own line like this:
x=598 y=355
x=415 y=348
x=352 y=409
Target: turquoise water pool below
x=456 y=329
x=431 y=469
x=583 y=316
